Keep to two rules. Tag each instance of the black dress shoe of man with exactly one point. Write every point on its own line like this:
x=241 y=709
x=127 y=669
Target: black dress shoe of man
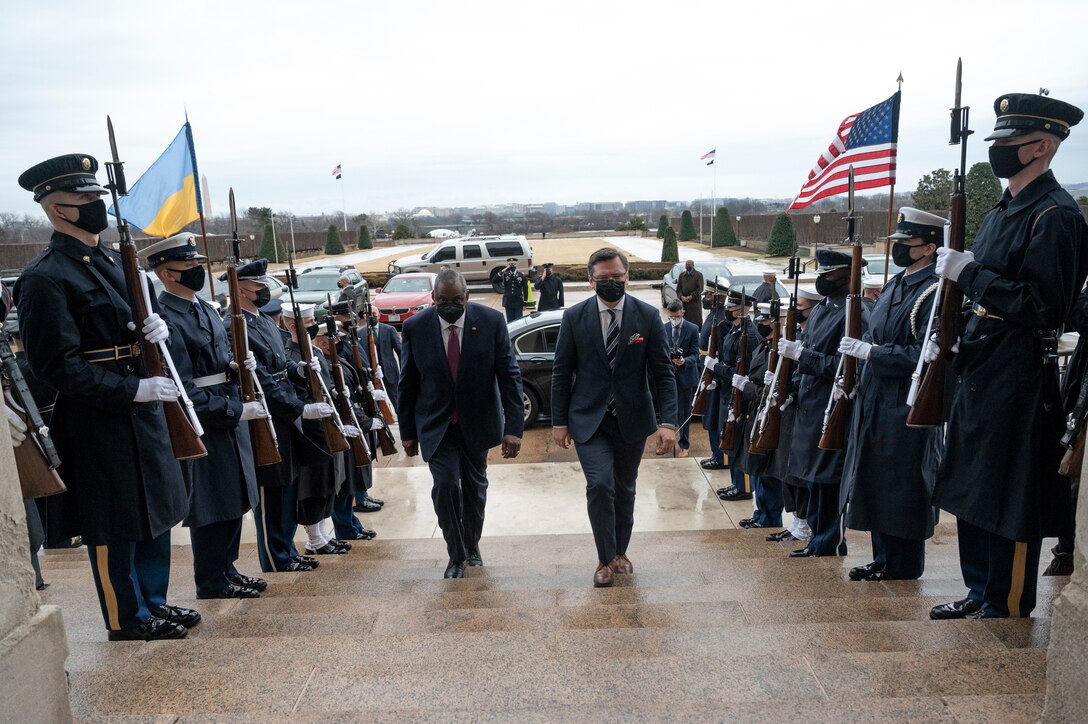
x=297 y=567
x=307 y=561
x=735 y=494
x=957 y=609
x=232 y=591
x=748 y=523
x=366 y=506
x=474 y=560
x=455 y=569
x=343 y=545
x=372 y=499
x=1062 y=565
x=861 y=573
x=781 y=536
x=803 y=553
x=364 y=534
x=329 y=549
x=258 y=584
x=153 y=629
x=187 y=617
x=726 y=489
x=711 y=464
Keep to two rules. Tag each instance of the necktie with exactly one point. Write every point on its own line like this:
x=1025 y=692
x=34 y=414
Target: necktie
x=611 y=340
x=453 y=356
x=675 y=334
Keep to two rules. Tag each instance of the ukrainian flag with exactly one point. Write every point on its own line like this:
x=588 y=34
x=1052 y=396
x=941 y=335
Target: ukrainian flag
x=167 y=197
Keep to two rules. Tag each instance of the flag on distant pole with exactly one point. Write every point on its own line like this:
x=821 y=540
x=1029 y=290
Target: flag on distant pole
x=867 y=141
x=336 y=171
x=711 y=154
x=710 y=162
x=167 y=197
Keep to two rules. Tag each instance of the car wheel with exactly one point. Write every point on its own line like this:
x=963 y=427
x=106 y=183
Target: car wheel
x=532 y=406
x=496 y=283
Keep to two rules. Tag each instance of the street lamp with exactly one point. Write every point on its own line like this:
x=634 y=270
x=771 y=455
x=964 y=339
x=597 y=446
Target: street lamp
x=815 y=240
x=739 y=240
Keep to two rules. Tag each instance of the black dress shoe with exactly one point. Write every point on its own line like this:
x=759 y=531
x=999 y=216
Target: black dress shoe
x=326 y=550
x=455 y=569
x=307 y=561
x=257 y=584
x=862 y=573
x=297 y=567
x=187 y=617
x=964 y=608
x=372 y=499
x=780 y=536
x=41 y=586
x=749 y=523
x=803 y=553
x=232 y=591
x=1062 y=565
x=364 y=534
x=710 y=464
x=735 y=494
x=153 y=629
x=343 y=545
x=474 y=560
x=366 y=506
x=725 y=490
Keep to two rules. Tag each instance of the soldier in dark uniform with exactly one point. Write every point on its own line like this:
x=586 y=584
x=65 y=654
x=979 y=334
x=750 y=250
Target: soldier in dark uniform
x=890 y=469
x=711 y=420
x=222 y=485
x=870 y=290
x=550 y=287
x=275 y=514
x=817 y=356
x=107 y=423
x=768 y=290
x=1000 y=473
x=737 y=324
x=515 y=290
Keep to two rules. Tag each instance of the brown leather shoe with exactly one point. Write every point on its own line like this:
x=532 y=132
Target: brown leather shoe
x=682 y=452
x=622 y=564
x=603 y=577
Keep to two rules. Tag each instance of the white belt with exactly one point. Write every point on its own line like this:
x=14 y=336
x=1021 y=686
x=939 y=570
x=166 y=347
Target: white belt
x=210 y=380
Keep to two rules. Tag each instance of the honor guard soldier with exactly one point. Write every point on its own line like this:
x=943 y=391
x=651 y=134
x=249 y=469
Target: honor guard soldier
x=890 y=468
x=515 y=290
x=1028 y=264
x=817 y=357
x=222 y=485
x=550 y=287
x=108 y=422
x=275 y=514
x=871 y=286
x=712 y=299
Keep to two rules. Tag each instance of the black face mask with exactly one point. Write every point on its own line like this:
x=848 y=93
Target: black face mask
x=764 y=330
x=450 y=312
x=311 y=331
x=372 y=320
x=901 y=255
x=610 y=290
x=192 y=278
x=1005 y=160
x=827 y=287
x=802 y=314
x=92 y=216
x=263 y=296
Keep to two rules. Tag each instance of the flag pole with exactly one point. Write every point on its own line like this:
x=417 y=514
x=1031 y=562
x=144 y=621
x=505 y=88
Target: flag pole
x=275 y=244
x=891 y=206
x=199 y=201
x=343 y=202
x=207 y=255
x=713 y=201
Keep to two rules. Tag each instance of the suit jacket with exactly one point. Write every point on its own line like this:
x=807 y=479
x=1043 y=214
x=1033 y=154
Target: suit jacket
x=487 y=393
x=687 y=376
x=389 y=354
x=582 y=380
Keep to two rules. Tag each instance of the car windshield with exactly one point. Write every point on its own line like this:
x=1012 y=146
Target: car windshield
x=709 y=270
x=875 y=267
x=749 y=284
x=317 y=282
x=400 y=285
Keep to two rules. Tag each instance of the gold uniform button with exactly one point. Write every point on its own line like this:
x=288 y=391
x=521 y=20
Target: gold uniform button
x=87 y=259
x=1004 y=104
x=86 y=163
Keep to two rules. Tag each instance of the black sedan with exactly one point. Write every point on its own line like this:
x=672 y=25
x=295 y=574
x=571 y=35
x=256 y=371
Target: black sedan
x=534 y=339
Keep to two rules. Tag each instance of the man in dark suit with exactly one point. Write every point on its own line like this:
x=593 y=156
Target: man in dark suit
x=689 y=289
x=683 y=339
x=550 y=287
x=460 y=395
x=610 y=347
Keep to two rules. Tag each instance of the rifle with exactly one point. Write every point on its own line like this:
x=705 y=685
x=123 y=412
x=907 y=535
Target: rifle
x=372 y=325
x=729 y=431
x=1073 y=439
x=36 y=463
x=334 y=436
x=837 y=413
x=261 y=431
x=760 y=421
x=698 y=404
x=359 y=449
x=770 y=426
x=927 y=388
x=182 y=423
x=386 y=443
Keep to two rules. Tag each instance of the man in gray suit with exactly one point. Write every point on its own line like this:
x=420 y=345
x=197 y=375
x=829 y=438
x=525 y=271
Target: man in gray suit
x=610 y=347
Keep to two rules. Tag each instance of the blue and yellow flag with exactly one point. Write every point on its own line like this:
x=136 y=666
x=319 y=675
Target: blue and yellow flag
x=167 y=197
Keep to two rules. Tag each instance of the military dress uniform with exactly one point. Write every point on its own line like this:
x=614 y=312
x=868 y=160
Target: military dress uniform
x=890 y=468
x=712 y=421
x=515 y=290
x=222 y=485
x=729 y=339
x=1000 y=473
x=119 y=467
x=551 y=291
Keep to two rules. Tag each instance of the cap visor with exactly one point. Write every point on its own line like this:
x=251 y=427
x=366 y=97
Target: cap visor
x=900 y=235
x=88 y=189
x=1007 y=133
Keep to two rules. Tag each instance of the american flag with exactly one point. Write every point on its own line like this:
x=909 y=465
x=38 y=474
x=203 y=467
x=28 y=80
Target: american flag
x=336 y=171
x=866 y=141
x=711 y=154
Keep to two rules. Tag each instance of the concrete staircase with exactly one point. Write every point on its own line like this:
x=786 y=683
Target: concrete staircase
x=714 y=625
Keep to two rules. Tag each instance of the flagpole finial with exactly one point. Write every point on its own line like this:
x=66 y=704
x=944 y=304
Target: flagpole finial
x=899 y=80
x=185 y=110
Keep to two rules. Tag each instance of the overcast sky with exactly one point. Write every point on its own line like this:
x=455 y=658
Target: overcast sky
x=471 y=103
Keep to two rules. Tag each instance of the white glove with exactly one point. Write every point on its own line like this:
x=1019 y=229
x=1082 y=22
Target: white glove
x=713 y=385
x=787 y=403
x=315 y=365
x=317 y=411
x=837 y=392
x=710 y=363
x=379 y=395
x=154 y=329
x=156 y=388
x=376 y=424
x=790 y=349
x=740 y=382
x=768 y=377
x=950 y=263
x=352 y=431
x=378 y=374
x=855 y=348
x=16 y=427
x=250 y=363
x=933 y=350
x=252 y=411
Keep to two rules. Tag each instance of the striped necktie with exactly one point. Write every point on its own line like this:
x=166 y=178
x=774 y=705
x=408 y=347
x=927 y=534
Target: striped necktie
x=611 y=342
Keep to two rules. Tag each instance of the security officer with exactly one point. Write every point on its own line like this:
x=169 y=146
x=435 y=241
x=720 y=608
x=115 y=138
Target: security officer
x=890 y=468
x=871 y=286
x=108 y=422
x=550 y=287
x=515 y=290
x=275 y=514
x=222 y=485
x=713 y=300
x=1029 y=262
x=817 y=357
x=683 y=339
x=737 y=324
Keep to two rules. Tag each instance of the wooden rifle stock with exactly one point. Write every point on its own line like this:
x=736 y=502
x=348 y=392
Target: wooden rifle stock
x=766 y=405
x=334 y=439
x=770 y=438
x=387 y=411
x=386 y=443
x=729 y=431
x=359 y=450
x=698 y=405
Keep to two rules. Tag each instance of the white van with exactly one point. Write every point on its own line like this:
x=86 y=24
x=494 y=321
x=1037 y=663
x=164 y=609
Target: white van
x=479 y=258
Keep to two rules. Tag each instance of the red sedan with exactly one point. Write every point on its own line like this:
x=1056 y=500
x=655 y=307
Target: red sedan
x=402 y=296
